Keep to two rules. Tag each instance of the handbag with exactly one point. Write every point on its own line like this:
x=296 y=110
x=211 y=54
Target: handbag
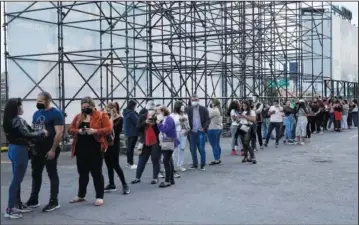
x=167 y=145
x=244 y=128
x=111 y=137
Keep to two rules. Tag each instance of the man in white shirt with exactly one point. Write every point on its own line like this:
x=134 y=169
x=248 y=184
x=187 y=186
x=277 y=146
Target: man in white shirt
x=275 y=122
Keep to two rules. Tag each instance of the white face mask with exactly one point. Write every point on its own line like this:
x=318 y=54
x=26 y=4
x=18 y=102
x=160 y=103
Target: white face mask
x=195 y=103
x=182 y=109
x=151 y=112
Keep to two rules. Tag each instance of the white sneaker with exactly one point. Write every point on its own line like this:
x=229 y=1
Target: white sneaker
x=133 y=167
x=12 y=215
x=301 y=143
x=182 y=169
x=321 y=132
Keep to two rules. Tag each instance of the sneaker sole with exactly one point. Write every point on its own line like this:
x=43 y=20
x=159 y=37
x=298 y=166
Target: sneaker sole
x=53 y=209
x=33 y=206
x=23 y=211
x=8 y=216
x=112 y=190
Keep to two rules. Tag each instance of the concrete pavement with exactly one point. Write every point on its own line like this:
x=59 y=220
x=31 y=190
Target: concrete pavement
x=312 y=184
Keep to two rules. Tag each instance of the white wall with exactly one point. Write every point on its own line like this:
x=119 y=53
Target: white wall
x=345 y=50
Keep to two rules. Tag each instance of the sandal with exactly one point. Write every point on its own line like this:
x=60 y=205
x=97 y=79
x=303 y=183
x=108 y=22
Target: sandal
x=77 y=200
x=99 y=202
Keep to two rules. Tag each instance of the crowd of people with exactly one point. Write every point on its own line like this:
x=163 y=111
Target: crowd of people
x=156 y=133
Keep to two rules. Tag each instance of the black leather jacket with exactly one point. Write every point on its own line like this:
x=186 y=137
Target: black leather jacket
x=21 y=133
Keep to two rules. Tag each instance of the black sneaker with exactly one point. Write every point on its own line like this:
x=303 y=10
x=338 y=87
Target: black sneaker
x=135 y=181
x=53 y=205
x=126 y=189
x=110 y=188
x=193 y=167
x=32 y=203
x=203 y=168
x=265 y=144
x=154 y=181
x=21 y=208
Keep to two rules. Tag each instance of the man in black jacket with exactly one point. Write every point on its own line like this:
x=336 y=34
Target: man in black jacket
x=199 y=120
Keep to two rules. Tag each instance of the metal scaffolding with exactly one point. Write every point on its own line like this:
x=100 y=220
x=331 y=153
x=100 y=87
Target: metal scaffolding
x=170 y=50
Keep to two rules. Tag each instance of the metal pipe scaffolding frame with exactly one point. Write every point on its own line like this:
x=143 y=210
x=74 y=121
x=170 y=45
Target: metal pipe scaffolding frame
x=170 y=50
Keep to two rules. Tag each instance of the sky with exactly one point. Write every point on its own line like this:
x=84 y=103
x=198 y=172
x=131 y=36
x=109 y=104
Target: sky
x=353 y=6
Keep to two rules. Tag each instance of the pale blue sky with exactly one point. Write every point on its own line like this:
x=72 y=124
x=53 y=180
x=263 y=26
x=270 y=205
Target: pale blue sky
x=353 y=6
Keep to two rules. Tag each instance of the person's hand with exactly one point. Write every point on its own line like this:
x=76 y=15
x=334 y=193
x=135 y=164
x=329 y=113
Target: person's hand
x=50 y=155
x=149 y=122
x=46 y=133
x=91 y=131
x=82 y=131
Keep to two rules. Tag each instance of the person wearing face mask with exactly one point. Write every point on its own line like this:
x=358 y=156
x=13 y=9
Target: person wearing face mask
x=182 y=127
x=113 y=152
x=19 y=136
x=168 y=142
x=89 y=130
x=46 y=151
x=149 y=133
x=257 y=126
x=199 y=120
x=276 y=120
x=130 y=118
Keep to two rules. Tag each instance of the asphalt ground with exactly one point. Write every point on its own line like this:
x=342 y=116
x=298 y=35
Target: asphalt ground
x=312 y=184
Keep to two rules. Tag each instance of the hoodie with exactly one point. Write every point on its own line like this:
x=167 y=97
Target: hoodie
x=130 y=118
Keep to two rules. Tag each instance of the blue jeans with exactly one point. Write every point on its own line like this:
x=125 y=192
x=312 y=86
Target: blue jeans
x=288 y=123
x=198 y=141
x=355 y=118
x=265 y=126
x=19 y=158
x=214 y=137
x=331 y=120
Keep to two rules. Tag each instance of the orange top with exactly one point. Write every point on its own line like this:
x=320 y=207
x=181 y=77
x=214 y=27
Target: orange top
x=99 y=121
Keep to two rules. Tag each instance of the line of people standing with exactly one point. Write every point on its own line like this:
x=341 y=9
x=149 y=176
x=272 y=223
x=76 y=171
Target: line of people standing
x=156 y=133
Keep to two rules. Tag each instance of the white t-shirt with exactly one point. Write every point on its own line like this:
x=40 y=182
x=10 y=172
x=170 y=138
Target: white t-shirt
x=234 y=113
x=176 y=117
x=277 y=116
x=244 y=120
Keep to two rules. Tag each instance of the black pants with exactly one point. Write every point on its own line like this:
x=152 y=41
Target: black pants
x=272 y=126
x=316 y=122
x=309 y=132
x=112 y=163
x=246 y=139
x=154 y=152
x=168 y=164
x=337 y=124
x=38 y=162
x=259 y=133
x=90 y=163
x=326 y=116
x=131 y=144
x=253 y=136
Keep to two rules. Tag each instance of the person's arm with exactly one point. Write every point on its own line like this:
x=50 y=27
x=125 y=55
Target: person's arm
x=251 y=117
x=141 y=123
x=206 y=119
x=106 y=128
x=73 y=129
x=166 y=126
x=23 y=128
x=133 y=118
x=260 y=108
x=212 y=113
x=59 y=124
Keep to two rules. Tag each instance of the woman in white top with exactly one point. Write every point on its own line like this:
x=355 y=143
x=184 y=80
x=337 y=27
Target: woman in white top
x=246 y=121
x=234 y=112
x=182 y=127
x=215 y=130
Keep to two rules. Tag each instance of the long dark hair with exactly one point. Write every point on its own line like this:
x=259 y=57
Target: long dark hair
x=177 y=107
x=234 y=105
x=10 y=112
x=248 y=107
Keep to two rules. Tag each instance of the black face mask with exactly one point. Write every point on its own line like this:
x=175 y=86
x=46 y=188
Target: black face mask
x=87 y=110
x=40 y=106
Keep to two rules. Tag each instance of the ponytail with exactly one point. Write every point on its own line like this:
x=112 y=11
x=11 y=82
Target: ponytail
x=117 y=107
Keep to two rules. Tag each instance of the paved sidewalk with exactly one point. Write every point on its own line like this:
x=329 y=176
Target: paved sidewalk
x=312 y=184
